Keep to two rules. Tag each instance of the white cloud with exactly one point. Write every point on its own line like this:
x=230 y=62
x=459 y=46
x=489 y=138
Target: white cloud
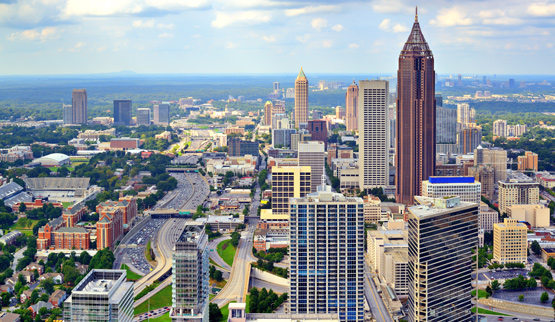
x=270 y=38
x=400 y=28
x=549 y=45
x=312 y=9
x=326 y=43
x=77 y=47
x=391 y=6
x=168 y=26
x=231 y=45
x=386 y=25
x=76 y=8
x=319 y=23
x=542 y=9
x=36 y=34
x=450 y=17
x=196 y=36
x=143 y=23
x=165 y=35
x=354 y=45
x=303 y=38
x=224 y=19
x=338 y=28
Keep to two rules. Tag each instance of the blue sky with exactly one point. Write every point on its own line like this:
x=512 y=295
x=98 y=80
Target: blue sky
x=271 y=36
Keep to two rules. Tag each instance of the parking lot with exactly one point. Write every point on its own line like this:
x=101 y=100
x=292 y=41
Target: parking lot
x=531 y=296
x=503 y=275
x=136 y=255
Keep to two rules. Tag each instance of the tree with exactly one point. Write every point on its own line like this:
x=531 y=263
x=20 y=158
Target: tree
x=34 y=296
x=495 y=286
x=235 y=237
x=489 y=290
x=218 y=276
x=48 y=285
x=531 y=283
x=544 y=297
x=22 y=207
x=521 y=297
x=43 y=311
x=536 y=248
x=214 y=313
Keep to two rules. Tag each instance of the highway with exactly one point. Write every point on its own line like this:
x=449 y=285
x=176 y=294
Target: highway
x=375 y=302
x=213 y=245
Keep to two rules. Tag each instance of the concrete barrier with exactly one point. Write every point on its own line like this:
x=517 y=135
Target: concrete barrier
x=517 y=307
x=269 y=277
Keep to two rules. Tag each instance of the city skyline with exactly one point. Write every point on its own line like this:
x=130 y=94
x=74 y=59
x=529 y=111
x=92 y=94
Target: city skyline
x=270 y=36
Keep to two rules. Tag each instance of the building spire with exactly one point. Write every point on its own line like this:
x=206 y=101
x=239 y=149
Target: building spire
x=416 y=15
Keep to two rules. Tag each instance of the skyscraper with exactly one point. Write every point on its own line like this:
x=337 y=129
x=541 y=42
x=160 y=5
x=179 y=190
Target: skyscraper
x=500 y=128
x=301 y=99
x=190 y=286
x=373 y=136
x=68 y=113
x=416 y=127
x=351 y=107
x=268 y=113
x=442 y=234
x=162 y=114
x=122 y=112
x=288 y=182
x=469 y=138
x=276 y=86
x=327 y=263
x=446 y=125
x=319 y=131
x=143 y=116
x=312 y=154
x=79 y=106
x=465 y=114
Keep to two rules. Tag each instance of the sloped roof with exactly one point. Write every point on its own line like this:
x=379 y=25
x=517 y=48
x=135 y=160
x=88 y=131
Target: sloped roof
x=416 y=43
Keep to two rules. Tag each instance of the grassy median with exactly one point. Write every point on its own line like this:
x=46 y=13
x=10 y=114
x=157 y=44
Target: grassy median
x=160 y=299
x=131 y=276
x=226 y=251
x=484 y=311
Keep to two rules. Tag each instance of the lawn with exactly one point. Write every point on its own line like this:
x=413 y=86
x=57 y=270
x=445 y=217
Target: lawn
x=218 y=284
x=24 y=223
x=66 y=204
x=484 y=311
x=481 y=294
x=160 y=299
x=211 y=296
x=132 y=276
x=147 y=252
x=163 y=318
x=26 y=232
x=227 y=251
x=247 y=307
x=225 y=312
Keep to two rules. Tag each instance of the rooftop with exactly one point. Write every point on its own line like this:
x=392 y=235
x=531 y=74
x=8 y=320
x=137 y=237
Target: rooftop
x=431 y=206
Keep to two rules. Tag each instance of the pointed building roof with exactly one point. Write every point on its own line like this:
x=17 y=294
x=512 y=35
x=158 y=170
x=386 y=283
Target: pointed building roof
x=301 y=74
x=416 y=42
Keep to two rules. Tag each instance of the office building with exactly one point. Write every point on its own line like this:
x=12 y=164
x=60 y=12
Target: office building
x=465 y=114
x=68 y=113
x=372 y=209
x=373 y=139
x=288 y=182
x=442 y=234
x=485 y=174
x=415 y=157
x=312 y=154
x=518 y=190
x=510 y=242
x=282 y=137
x=301 y=99
x=528 y=161
x=351 y=107
x=488 y=217
x=278 y=107
x=79 y=106
x=388 y=254
x=162 y=114
x=466 y=188
x=122 y=112
x=469 y=138
x=276 y=86
x=319 y=131
x=446 y=125
x=516 y=130
x=268 y=113
x=536 y=215
x=495 y=157
x=190 y=286
x=327 y=255
x=102 y=295
x=500 y=128
x=340 y=113
x=240 y=148
x=143 y=116
x=301 y=136
x=317 y=115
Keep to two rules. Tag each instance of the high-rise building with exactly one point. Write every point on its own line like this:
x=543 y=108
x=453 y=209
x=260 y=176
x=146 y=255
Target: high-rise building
x=339 y=113
x=351 y=107
x=301 y=99
x=162 y=114
x=510 y=242
x=143 y=116
x=416 y=130
x=466 y=188
x=500 y=128
x=528 y=161
x=313 y=155
x=516 y=130
x=327 y=255
x=102 y=295
x=446 y=125
x=469 y=138
x=282 y=137
x=301 y=136
x=511 y=83
x=485 y=174
x=276 y=86
x=317 y=115
x=465 y=114
x=79 y=106
x=496 y=157
x=278 y=107
x=190 y=286
x=68 y=113
x=373 y=139
x=319 y=131
x=288 y=182
x=122 y=112
x=268 y=113
x=518 y=190
x=442 y=234
x=240 y=148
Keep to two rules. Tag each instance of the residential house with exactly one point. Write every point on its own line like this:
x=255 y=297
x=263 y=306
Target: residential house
x=57 y=298
x=36 y=308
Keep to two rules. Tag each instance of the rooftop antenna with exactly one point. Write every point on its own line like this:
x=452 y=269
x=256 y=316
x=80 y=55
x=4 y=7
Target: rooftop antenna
x=416 y=15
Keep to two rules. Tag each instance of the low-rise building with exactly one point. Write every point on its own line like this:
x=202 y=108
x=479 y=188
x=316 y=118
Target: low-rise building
x=124 y=144
x=487 y=217
x=536 y=215
x=57 y=298
x=510 y=243
x=95 y=135
x=372 y=209
x=387 y=251
x=9 y=317
x=10 y=237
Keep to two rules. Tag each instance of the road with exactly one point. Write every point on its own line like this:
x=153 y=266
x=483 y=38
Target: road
x=213 y=245
x=375 y=302
x=521 y=317
x=17 y=256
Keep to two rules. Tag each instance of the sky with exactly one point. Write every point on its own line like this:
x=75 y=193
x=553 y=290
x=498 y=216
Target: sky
x=272 y=36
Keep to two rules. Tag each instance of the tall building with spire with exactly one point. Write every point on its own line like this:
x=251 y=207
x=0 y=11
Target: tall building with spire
x=416 y=110
x=351 y=107
x=301 y=99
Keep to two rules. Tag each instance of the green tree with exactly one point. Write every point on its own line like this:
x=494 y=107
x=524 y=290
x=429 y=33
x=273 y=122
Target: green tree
x=489 y=290
x=544 y=297
x=521 y=297
x=48 y=285
x=214 y=313
x=531 y=283
x=34 y=296
x=235 y=237
x=22 y=207
x=536 y=248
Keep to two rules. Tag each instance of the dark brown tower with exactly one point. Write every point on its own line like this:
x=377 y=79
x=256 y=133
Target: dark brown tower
x=416 y=111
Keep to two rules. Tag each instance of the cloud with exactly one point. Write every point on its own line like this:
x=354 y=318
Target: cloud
x=77 y=47
x=326 y=43
x=303 y=39
x=224 y=19
x=143 y=23
x=231 y=45
x=165 y=35
x=103 y=8
x=270 y=38
x=311 y=10
x=542 y=9
x=354 y=45
x=338 y=28
x=386 y=25
x=168 y=26
x=36 y=34
x=319 y=23
x=391 y=6
x=450 y=17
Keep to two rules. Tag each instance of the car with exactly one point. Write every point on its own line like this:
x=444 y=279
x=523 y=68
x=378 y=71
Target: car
x=499 y=319
x=536 y=319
